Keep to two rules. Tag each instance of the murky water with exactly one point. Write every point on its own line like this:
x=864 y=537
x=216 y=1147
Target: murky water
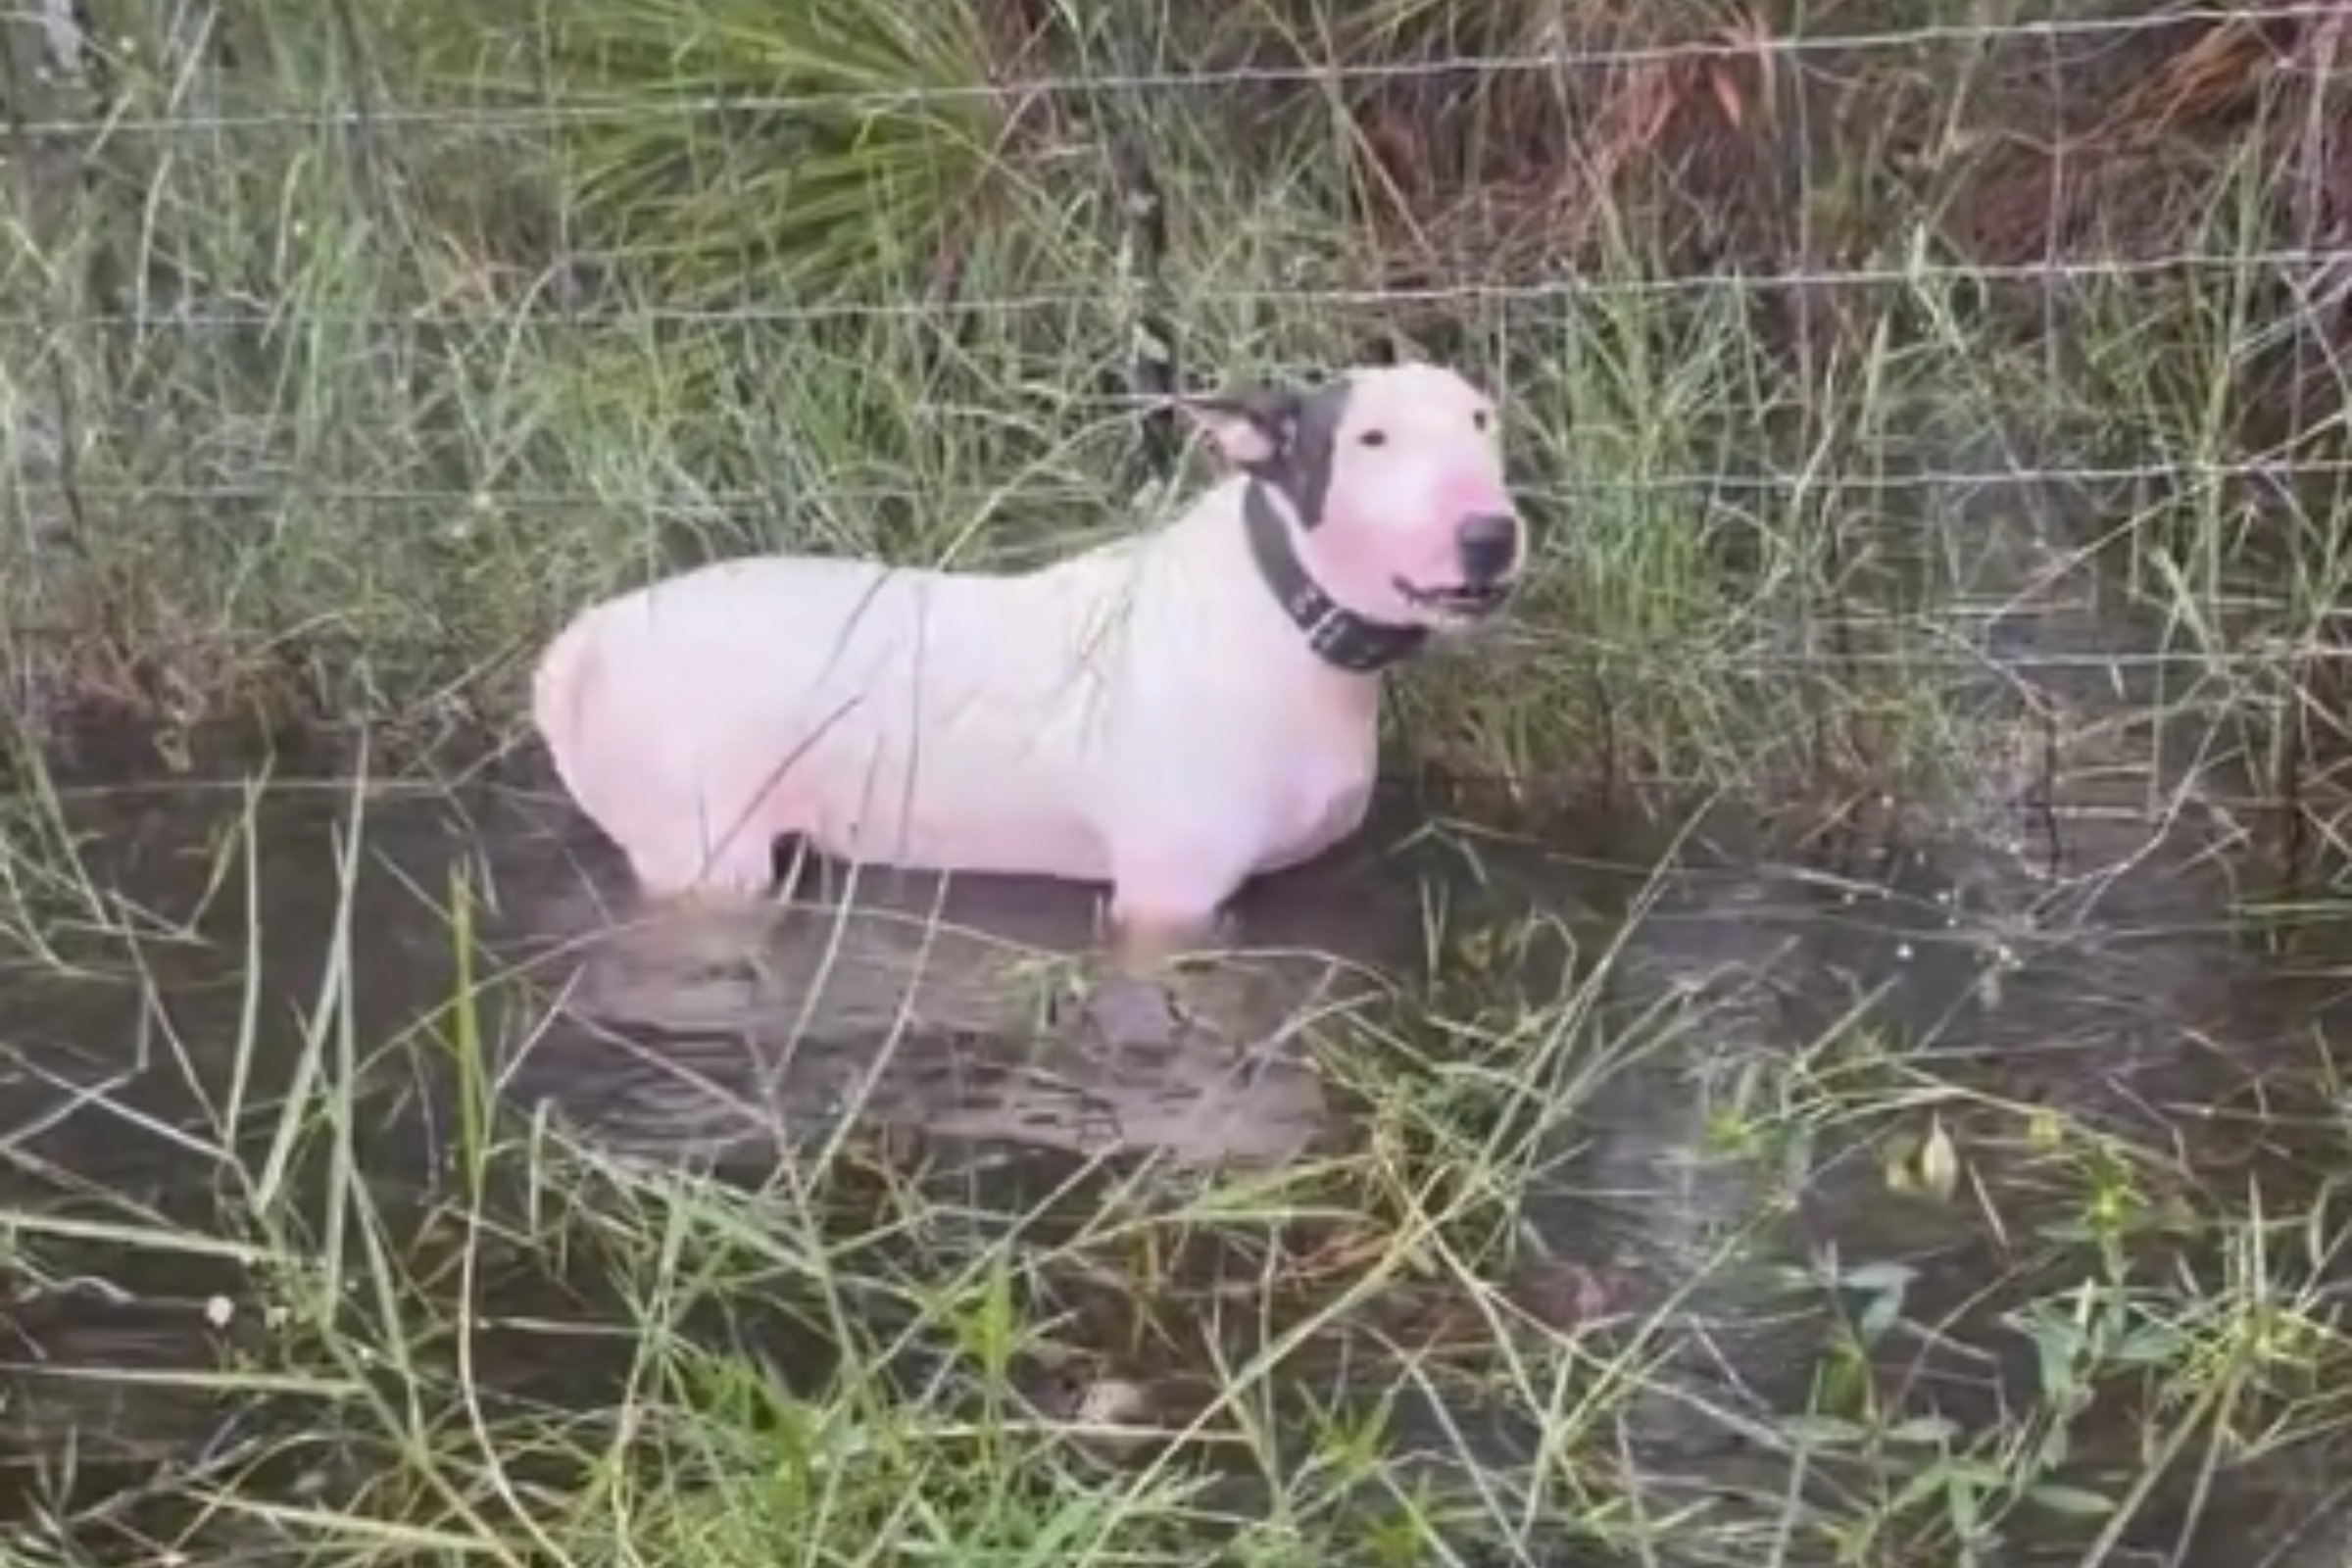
x=2053 y=936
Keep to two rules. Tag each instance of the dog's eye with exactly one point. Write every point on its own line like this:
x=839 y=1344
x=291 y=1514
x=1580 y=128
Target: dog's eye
x=1374 y=439
x=1481 y=419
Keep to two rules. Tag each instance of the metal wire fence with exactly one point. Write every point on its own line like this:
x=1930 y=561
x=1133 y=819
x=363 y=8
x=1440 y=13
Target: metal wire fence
x=1729 y=264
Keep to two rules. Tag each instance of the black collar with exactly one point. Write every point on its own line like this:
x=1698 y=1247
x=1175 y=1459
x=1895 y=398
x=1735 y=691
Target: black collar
x=1340 y=637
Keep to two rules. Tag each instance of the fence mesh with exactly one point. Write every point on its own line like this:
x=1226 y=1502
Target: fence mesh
x=1857 y=356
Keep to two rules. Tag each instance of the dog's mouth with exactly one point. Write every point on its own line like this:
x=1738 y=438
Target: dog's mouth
x=1460 y=601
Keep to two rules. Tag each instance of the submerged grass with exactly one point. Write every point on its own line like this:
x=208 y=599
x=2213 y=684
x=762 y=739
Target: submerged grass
x=342 y=354
x=1597 y=1277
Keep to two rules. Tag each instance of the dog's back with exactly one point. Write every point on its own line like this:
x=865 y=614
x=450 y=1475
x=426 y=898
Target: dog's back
x=932 y=719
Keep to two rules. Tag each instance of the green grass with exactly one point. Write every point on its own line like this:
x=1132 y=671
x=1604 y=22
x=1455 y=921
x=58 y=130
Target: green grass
x=333 y=379
x=367 y=1309
x=339 y=415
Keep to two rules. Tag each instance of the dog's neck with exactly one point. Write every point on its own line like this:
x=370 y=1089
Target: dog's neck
x=1339 y=636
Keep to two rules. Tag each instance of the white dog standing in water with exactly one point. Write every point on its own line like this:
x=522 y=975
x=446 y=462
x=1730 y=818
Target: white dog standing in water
x=1171 y=714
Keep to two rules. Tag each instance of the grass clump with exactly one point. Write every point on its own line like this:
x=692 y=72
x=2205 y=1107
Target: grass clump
x=879 y=140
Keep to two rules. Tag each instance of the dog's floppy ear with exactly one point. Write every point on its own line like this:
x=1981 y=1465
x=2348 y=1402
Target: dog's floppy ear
x=1253 y=429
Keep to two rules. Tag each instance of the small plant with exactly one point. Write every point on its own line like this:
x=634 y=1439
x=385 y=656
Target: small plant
x=732 y=154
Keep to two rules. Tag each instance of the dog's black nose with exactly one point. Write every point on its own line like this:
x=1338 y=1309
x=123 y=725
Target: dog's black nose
x=1489 y=547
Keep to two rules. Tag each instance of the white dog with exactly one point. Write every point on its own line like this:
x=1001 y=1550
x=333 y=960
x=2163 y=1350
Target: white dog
x=1171 y=714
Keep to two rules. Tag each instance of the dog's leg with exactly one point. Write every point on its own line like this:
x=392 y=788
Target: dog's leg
x=675 y=865
x=794 y=863
x=1151 y=925
x=706 y=915
x=1134 y=1004
x=1176 y=864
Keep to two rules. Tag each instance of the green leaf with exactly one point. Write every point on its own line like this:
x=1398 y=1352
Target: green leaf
x=1927 y=1431
x=1879 y=1277
x=1824 y=1432
x=2072 y=1501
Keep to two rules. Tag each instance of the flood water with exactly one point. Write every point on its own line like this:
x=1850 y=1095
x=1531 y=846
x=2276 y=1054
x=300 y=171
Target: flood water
x=2059 y=930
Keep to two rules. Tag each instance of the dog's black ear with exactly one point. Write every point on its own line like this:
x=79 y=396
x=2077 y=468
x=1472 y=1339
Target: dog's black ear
x=1253 y=430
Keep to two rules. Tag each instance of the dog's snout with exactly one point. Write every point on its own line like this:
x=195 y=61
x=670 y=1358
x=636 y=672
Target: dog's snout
x=1489 y=545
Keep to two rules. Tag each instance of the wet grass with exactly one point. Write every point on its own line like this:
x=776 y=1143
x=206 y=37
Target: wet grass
x=309 y=1287
x=307 y=413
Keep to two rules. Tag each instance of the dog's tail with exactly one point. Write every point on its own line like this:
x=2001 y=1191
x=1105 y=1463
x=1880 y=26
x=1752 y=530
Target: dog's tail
x=560 y=686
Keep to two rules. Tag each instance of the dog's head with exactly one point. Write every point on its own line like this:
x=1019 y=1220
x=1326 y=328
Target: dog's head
x=1392 y=479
